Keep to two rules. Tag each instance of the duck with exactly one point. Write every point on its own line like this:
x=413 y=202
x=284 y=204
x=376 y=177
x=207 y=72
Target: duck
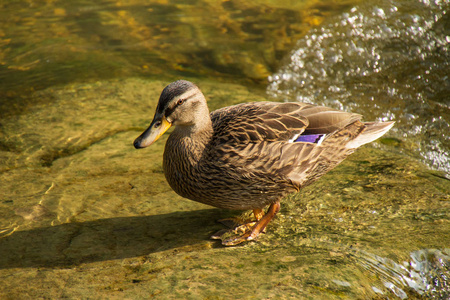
x=249 y=156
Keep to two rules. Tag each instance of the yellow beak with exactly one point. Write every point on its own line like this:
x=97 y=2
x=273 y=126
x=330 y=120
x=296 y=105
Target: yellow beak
x=153 y=132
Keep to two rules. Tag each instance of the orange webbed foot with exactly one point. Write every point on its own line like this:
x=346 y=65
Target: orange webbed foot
x=250 y=230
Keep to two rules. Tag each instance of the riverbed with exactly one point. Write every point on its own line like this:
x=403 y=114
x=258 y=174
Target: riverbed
x=86 y=216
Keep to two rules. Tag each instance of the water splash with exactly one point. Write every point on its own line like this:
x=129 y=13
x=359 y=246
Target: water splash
x=426 y=273
x=387 y=60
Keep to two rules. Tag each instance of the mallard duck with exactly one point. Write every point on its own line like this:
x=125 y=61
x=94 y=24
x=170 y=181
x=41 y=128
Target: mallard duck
x=248 y=156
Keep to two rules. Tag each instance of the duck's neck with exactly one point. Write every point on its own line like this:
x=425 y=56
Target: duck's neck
x=196 y=133
x=189 y=142
x=183 y=154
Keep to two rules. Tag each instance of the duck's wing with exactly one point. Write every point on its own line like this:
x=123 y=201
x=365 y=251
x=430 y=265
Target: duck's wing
x=257 y=122
x=293 y=142
x=276 y=122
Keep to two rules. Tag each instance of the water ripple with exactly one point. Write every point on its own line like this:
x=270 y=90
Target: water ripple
x=426 y=273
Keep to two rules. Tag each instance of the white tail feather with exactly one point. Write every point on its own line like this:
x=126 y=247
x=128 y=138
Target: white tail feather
x=373 y=131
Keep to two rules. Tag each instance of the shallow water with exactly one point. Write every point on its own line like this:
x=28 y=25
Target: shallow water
x=85 y=215
x=46 y=43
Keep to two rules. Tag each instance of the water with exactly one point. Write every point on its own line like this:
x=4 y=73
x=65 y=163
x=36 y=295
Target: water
x=388 y=60
x=51 y=43
x=85 y=215
x=425 y=272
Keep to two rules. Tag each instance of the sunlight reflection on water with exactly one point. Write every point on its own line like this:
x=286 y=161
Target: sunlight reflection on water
x=427 y=273
x=386 y=60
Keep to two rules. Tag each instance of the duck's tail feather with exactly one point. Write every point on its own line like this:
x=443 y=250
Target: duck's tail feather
x=373 y=131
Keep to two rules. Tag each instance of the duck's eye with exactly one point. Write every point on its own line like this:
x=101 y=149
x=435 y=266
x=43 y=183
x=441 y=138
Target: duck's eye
x=180 y=101
x=157 y=124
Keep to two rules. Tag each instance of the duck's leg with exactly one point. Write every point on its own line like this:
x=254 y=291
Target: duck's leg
x=247 y=225
x=258 y=213
x=238 y=225
x=242 y=221
x=259 y=227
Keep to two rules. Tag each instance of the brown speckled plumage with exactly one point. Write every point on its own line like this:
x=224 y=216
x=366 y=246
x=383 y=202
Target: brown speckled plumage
x=248 y=156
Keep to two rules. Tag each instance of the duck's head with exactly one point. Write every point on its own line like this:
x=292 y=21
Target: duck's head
x=181 y=104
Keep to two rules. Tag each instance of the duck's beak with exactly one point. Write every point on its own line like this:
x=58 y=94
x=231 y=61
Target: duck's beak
x=154 y=131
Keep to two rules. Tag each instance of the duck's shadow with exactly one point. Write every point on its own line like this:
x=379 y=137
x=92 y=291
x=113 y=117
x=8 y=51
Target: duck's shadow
x=116 y=238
